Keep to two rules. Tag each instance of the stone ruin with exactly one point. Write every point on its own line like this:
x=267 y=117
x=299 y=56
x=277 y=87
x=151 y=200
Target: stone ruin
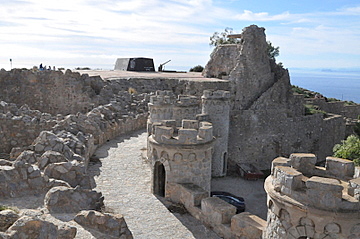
x=266 y=119
x=52 y=122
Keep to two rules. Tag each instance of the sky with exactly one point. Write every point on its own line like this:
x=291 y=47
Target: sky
x=88 y=33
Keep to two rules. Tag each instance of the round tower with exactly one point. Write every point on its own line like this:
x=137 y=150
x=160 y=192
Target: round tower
x=185 y=107
x=307 y=201
x=160 y=108
x=216 y=105
x=180 y=155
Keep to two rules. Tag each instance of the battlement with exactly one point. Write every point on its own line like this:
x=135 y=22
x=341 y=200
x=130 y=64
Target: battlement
x=187 y=100
x=165 y=97
x=192 y=132
x=330 y=188
x=216 y=94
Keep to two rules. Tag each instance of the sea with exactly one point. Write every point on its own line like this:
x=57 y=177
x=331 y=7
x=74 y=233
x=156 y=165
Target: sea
x=339 y=84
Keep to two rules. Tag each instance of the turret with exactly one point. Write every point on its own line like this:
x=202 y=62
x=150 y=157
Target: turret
x=216 y=105
x=307 y=201
x=180 y=155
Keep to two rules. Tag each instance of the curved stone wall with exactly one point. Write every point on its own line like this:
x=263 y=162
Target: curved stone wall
x=216 y=104
x=307 y=201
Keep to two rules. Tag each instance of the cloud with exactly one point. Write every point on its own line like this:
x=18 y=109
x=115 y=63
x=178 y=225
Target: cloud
x=89 y=29
x=262 y=16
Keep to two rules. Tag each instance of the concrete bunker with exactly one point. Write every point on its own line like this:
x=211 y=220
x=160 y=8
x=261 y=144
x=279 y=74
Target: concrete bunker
x=134 y=64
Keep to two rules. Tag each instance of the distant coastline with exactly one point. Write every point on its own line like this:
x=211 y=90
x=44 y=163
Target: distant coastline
x=342 y=84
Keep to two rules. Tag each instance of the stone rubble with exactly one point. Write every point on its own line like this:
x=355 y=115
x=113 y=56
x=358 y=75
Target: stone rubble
x=32 y=227
x=63 y=199
x=113 y=225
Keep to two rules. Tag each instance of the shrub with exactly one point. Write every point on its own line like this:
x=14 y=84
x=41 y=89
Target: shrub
x=349 y=149
x=82 y=68
x=197 y=68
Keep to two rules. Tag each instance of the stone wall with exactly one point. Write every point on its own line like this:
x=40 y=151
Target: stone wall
x=314 y=202
x=337 y=107
x=263 y=134
x=266 y=119
x=20 y=126
x=50 y=91
x=218 y=214
x=48 y=151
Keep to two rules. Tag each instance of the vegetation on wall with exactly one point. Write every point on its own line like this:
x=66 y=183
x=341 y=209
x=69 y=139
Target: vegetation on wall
x=2 y=208
x=223 y=38
x=313 y=109
x=349 y=149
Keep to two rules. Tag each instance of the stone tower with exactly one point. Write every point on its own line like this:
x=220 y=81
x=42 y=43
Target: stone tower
x=164 y=106
x=180 y=155
x=160 y=108
x=306 y=201
x=216 y=105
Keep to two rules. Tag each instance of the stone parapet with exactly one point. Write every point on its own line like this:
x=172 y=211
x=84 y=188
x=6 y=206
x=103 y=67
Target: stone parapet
x=192 y=132
x=162 y=98
x=216 y=94
x=308 y=201
x=308 y=184
x=186 y=101
x=337 y=107
x=217 y=214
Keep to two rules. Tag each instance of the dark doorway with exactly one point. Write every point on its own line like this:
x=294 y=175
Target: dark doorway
x=159 y=179
x=224 y=163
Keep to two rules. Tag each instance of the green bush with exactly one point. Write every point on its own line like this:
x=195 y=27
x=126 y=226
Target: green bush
x=197 y=68
x=349 y=149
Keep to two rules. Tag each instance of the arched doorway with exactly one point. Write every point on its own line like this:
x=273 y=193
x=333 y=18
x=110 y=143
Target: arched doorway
x=159 y=179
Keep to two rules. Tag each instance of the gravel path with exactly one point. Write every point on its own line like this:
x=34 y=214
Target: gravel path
x=124 y=180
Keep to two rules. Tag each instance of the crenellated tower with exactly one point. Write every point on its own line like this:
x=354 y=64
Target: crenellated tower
x=216 y=105
x=307 y=201
x=180 y=155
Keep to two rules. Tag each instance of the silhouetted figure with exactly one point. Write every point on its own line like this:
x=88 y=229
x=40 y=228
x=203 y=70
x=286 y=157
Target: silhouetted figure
x=41 y=67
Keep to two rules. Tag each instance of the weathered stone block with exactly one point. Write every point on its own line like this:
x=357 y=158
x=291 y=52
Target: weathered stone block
x=280 y=161
x=68 y=200
x=354 y=188
x=340 y=167
x=324 y=193
x=7 y=218
x=190 y=124
x=305 y=163
x=163 y=132
x=187 y=136
x=217 y=211
x=38 y=228
x=247 y=226
x=191 y=194
x=286 y=179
